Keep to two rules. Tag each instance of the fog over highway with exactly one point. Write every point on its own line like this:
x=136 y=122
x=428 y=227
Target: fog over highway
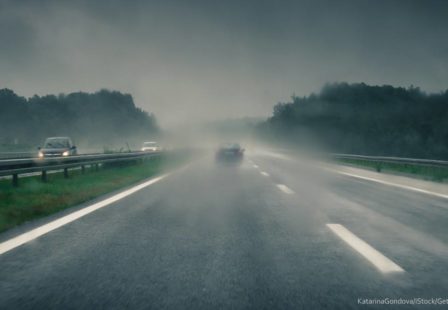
x=273 y=232
x=197 y=154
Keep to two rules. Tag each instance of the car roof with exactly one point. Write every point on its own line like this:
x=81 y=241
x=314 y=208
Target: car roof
x=230 y=145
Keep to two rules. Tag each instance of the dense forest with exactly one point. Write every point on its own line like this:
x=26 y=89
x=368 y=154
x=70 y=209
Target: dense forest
x=104 y=118
x=363 y=119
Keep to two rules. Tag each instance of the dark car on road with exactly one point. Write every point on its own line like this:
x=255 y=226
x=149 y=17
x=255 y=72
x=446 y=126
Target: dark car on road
x=57 y=147
x=230 y=152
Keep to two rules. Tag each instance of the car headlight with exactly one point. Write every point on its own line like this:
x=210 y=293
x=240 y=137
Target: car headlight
x=65 y=153
x=40 y=154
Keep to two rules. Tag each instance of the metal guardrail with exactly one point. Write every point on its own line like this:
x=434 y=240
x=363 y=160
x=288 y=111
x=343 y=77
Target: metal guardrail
x=33 y=154
x=15 y=167
x=9 y=155
x=379 y=160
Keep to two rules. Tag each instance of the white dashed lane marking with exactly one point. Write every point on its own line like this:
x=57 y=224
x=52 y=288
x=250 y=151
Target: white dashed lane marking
x=381 y=262
x=285 y=189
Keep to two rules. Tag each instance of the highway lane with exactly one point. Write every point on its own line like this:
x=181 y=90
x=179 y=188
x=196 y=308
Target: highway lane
x=224 y=236
x=410 y=227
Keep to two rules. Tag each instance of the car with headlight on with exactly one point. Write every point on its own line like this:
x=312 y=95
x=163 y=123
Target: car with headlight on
x=230 y=152
x=151 y=146
x=57 y=147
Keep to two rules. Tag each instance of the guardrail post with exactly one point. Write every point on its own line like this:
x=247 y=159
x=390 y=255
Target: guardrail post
x=83 y=169
x=378 y=167
x=66 y=173
x=15 y=180
x=44 y=176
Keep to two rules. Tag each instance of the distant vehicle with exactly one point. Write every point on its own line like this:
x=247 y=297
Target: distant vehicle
x=57 y=147
x=151 y=146
x=230 y=152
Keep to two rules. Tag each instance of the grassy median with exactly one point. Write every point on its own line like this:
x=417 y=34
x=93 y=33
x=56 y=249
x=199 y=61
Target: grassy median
x=436 y=174
x=35 y=199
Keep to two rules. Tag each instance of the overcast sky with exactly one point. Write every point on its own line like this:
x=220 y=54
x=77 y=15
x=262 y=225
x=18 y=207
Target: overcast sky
x=197 y=60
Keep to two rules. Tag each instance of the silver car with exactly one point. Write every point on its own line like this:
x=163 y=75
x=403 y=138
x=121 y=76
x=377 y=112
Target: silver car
x=57 y=147
x=151 y=146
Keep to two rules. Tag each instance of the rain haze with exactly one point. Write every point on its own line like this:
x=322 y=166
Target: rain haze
x=226 y=154
x=190 y=61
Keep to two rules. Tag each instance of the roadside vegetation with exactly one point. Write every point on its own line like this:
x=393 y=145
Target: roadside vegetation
x=364 y=120
x=34 y=199
x=88 y=118
x=430 y=173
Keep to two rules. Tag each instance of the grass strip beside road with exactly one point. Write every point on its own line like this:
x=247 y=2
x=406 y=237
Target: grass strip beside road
x=430 y=173
x=34 y=199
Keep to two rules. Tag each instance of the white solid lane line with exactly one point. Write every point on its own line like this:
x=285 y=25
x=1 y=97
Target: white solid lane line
x=44 y=229
x=264 y=173
x=411 y=188
x=381 y=262
x=406 y=187
x=285 y=189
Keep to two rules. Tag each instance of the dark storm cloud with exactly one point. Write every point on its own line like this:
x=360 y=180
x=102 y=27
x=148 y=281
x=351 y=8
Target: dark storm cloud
x=17 y=41
x=213 y=59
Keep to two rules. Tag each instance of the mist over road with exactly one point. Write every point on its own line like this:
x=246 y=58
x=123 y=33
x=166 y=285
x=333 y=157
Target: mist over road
x=254 y=235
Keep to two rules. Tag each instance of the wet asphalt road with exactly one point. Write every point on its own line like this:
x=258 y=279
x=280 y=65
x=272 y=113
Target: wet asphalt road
x=225 y=236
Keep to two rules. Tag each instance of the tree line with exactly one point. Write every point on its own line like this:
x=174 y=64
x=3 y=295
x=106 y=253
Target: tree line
x=95 y=120
x=364 y=119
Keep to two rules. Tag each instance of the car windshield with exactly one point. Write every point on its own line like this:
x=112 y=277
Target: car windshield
x=56 y=143
x=232 y=146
